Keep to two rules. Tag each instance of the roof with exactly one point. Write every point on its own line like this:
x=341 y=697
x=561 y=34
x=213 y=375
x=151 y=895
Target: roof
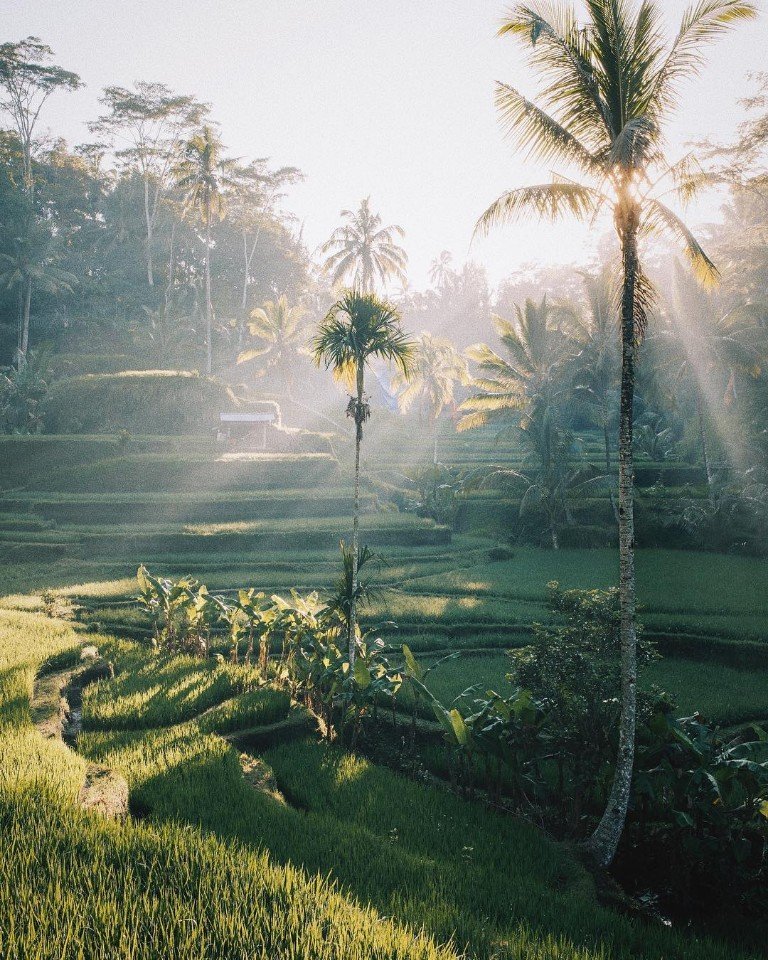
x=247 y=417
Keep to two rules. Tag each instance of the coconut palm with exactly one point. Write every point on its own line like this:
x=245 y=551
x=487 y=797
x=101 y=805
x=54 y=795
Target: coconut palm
x=203 y=175
x=525 y=389
x=359 y=328
x=281 y=333
x=362 y=251
x=595 y=335
x=611 y=83
x=708 y=349
x=436 y=369
x=440 y=269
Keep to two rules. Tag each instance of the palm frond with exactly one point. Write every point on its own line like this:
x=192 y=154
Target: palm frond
x=549 y=201
x=660 y=217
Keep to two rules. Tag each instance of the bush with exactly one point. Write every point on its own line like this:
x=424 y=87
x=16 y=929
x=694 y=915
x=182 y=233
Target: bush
x=157 y=401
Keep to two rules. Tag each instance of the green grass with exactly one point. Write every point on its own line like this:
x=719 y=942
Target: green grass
x=162 y=690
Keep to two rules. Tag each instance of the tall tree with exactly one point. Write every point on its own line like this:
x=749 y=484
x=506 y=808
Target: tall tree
x=148 y=126
x=611 y=83
x=359 y=328
x=27 y=80
x=281 y=335
x=525 y=389
x=440 y=268
x=362 y=251
x=436 y=369
x=595 y=334
x=203 y=175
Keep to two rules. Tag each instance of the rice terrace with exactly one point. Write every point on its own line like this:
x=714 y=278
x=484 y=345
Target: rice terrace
x=384 y=480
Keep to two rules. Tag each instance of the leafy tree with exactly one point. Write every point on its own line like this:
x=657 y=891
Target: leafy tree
x=364 y=251
x=611 y=84
x=282 y=336
x=359 y=328
x=147 y=126
x=27 y=80
x=436 y=369
x=203 y=175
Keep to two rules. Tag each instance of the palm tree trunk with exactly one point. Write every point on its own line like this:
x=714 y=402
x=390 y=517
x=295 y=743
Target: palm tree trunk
x=208 y=319
x=705 y=448
x=24 y=344
x=352 y=638
x=609 y=478
x=604 y=841
x=149 y=237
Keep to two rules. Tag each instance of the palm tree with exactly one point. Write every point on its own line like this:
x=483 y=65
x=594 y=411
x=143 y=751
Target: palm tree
x=525 y=389
x=436 y=369
x=597 y=363
x=610 y=84
x=282 y=335
x=358 y=328
x=440 y=269
x=707 y=346
x=364 y=251
x=202 y=175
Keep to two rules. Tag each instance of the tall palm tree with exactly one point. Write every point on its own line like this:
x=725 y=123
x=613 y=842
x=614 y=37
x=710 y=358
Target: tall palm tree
x=362 y=251
x=202 y=175
x=440 y=268
x=611 y=83
x=595 y=335
x=282 y=336
x=708 y=349
x=359 y=328
x=525 y=389
x=436 y=369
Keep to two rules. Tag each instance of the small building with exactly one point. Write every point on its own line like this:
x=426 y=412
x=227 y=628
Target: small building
x=248 y=431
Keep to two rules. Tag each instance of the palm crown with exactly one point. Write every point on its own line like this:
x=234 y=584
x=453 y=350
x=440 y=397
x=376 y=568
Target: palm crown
x=436 y=368
x=279 y=330
x=358 y=328
x=608 y=88
x=364 y=251
x=203 y=175
x=535 y=350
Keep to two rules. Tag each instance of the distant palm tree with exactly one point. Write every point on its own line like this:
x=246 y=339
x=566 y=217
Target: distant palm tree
x=282 y=336
x=362 y=251
x=436 y=369
x=440 y=269
x=610 y=85
x=525 y=389
x=596 y=336
x=203 y=175
x=704 y=345
x=358 y=328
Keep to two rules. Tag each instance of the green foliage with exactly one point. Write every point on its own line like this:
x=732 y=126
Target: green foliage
x=141 y=401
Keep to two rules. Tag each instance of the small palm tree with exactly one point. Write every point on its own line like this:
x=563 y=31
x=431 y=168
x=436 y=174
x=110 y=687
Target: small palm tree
x=440 y=269
x=704 y=346
x=611 y=83
x=362 y=251
x=203 y=175
x=282 y=336
x=596 y=337
x=359 y=328
x=525 y=389
x=436 y=369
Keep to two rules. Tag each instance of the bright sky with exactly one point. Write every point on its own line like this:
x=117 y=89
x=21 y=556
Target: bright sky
x=391 y=98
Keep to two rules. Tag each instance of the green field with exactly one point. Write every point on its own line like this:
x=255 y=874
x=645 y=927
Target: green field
x=338 y=842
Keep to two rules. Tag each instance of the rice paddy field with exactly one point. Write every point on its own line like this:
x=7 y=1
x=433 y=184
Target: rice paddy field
x=294 y=848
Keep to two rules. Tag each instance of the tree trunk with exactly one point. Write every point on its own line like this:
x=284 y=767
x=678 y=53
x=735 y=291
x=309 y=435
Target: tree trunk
x=356 y=520
x=149 y=234
x=208 y=308
x=609 y=478
x=705 y=448
x=604 y=841
x=27 y=304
